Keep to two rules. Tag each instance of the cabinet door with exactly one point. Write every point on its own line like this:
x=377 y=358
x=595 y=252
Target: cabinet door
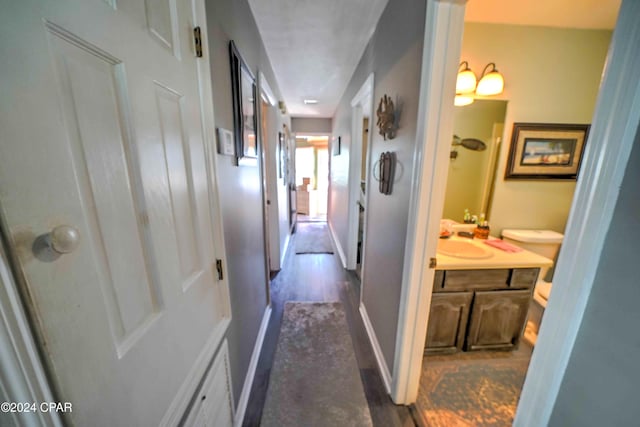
x=497 y=319
x=448 y=321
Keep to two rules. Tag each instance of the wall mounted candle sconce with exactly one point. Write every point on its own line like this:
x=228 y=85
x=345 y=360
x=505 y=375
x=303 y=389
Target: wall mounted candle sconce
x=386 y=118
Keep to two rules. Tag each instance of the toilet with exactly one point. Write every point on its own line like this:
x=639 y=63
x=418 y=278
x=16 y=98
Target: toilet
x=545 y=243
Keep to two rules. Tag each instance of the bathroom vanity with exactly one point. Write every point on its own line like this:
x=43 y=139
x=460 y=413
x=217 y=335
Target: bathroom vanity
x=481 y=298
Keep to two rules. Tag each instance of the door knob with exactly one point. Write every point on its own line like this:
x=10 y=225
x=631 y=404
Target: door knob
x=64 y=239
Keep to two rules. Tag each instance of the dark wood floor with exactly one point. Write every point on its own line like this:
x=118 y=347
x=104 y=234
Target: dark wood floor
x=320 y=277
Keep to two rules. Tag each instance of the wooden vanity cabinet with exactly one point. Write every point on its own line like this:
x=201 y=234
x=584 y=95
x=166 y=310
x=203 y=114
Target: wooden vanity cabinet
x=479 y=309
x=497 y=319
x=448 y=321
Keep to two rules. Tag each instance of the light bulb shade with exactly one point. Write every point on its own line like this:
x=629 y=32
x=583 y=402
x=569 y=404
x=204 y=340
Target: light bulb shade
x=466 y=81
x=491 y=83
x=462 y=100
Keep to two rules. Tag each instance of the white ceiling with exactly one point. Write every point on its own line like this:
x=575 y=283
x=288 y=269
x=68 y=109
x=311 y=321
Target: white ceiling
x=315 y=45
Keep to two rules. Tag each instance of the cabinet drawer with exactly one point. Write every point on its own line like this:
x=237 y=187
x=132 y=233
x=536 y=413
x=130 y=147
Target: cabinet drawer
x=524 y=277
x=463 y=280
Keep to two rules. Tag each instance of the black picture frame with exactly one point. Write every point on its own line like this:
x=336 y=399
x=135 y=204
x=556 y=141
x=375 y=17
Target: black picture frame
x=337 y=146
x=281 y=155
x=548 y=151
x=243 y=88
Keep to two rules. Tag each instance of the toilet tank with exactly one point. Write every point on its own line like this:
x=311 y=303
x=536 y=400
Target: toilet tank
x=541 y=242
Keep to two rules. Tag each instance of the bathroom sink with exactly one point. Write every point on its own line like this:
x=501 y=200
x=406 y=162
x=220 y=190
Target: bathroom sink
x=462 y=249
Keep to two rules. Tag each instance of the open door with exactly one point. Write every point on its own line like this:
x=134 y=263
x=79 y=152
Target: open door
x=109 y=202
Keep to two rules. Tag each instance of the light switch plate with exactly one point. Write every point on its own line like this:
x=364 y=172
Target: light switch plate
x=226 y=145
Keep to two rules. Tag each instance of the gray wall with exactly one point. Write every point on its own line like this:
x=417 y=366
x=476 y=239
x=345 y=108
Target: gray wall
x=240 y=189
x=394 y=55
x=311 y=125
x=600 y=385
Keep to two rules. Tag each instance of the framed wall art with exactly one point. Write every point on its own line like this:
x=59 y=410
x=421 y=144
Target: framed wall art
x=281 y=155
x=243 y=86
x=546 y=151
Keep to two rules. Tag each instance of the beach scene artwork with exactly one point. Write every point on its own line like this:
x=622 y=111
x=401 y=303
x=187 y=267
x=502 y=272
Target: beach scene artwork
x=552 y=152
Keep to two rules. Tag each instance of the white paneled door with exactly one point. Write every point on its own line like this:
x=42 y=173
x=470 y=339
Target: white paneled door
x=105 y=118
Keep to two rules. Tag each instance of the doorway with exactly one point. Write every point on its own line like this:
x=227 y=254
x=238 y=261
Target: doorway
x=577 y=217
x=312 y=177
x=359 y=176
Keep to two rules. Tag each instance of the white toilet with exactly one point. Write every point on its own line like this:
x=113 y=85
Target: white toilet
x=545 y=243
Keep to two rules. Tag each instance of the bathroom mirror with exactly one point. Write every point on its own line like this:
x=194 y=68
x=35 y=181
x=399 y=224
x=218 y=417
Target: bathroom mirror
x=472 y=167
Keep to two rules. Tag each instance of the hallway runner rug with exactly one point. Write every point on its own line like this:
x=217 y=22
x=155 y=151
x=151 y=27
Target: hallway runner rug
x=313 y=238
x=315 y=380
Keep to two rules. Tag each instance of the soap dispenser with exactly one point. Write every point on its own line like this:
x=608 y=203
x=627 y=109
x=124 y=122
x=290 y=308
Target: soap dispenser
x=482 y=230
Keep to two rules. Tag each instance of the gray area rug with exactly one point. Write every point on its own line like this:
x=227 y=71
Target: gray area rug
x=315 y=380
x=313 y=238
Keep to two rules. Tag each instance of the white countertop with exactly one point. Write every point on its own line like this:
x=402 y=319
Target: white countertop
x=498 y=258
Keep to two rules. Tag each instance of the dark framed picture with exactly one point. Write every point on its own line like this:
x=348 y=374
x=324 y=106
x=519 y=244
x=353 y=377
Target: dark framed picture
x=337 y=145
x=281 y=154
x=243 y=86
x=546 y=151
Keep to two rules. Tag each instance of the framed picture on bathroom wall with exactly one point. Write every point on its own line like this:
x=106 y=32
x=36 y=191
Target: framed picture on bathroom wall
x=546 y=151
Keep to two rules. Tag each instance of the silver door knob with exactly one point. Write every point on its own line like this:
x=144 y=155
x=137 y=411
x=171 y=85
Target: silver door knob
x=64 y=239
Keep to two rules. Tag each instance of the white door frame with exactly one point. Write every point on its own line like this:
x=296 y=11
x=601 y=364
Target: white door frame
x=22 y=374
x=613 y=131
x=263 y=88
x=358 y=105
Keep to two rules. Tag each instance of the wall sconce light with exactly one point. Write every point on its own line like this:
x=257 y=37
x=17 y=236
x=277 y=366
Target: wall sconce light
x=386 y=118
x=282 y=106
x=462 y=100
x=466 y=81
x=491 y=83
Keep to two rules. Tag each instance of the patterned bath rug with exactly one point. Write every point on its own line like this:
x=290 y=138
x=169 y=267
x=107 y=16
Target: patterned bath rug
x=471 y=393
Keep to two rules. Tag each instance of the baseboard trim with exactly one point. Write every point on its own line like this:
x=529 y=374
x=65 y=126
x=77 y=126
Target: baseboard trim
x=285 y=248
x=189 y=387
x=377 y=351
x=251 y=371
x=336 y=243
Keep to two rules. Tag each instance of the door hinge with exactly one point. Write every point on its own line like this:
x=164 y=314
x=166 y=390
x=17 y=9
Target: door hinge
x=197 y=40
x=219 y=268
x=433 y=262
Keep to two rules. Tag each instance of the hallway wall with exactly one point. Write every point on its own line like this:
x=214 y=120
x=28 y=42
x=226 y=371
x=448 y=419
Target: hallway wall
x=394 y=55
x=600 y=383
x=240 y=190
x=310 y=125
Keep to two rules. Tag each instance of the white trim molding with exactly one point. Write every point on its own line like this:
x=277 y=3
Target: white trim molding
x=362 y=102
x=189 y=387
x=613 y=132
x=377 y=350
x=338 y=246
x=266 y=89
x=22 y=376
x=444 y=25
x=251 y=371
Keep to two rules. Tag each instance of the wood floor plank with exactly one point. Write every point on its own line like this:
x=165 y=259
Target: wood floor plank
x=320 y=277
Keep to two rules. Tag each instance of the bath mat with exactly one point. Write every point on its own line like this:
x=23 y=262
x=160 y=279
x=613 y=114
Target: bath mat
x=313 y=238
x=471 y=393
x=315 y=380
